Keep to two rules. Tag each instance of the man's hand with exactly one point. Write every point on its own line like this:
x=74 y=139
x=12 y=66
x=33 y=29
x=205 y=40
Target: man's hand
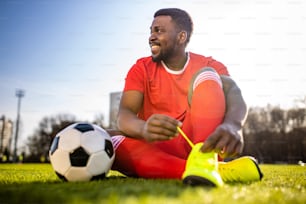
x=160 y=127
x=225 y=140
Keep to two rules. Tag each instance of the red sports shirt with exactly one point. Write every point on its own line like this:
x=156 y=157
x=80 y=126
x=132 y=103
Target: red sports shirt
x=165 y=91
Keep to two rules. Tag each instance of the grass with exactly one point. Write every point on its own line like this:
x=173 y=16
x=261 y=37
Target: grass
x=37 y=183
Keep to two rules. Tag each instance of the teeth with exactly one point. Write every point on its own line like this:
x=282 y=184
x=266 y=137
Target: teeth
x=154 y=48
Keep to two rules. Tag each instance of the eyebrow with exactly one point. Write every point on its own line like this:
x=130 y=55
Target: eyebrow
x=155 y=27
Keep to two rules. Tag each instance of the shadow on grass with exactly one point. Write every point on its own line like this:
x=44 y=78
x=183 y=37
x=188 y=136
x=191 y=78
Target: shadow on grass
x=58 y=191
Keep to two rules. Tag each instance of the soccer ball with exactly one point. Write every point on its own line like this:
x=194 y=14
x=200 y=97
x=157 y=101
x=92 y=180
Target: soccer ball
x=82 y=152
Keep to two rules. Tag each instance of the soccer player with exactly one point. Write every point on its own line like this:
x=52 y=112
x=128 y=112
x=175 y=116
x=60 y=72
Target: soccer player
x=174 y=89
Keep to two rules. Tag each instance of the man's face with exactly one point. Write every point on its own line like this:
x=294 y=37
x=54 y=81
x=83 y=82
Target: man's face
x=163 y=38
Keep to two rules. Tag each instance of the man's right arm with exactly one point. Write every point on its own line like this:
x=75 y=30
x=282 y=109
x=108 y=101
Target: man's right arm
x=157 y=127
x=127 y=121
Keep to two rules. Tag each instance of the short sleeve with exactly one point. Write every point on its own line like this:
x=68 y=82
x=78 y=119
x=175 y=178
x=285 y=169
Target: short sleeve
x=135 y=79
x=218 y=66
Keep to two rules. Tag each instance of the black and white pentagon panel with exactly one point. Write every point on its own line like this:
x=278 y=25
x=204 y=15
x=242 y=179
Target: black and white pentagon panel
x=79 y=157
x=84 y=127
x=109 y=149
x=54 y=145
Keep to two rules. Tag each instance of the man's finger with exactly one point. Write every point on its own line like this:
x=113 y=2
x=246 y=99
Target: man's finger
x=234 y=149
x=231 y=148
x=239 y=148
x=222 y=143
x=210 y=143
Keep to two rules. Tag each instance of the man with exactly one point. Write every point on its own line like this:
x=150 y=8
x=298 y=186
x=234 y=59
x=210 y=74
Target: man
x=175 y=89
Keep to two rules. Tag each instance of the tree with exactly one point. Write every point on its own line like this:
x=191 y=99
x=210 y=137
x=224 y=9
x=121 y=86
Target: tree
x=273 y=134
x=278 y=121
x=39 y=143
x=296 y=117
x=99 y=120
x=257 y=120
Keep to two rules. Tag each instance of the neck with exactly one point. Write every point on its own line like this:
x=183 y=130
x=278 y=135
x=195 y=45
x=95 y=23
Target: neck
x=177 y=63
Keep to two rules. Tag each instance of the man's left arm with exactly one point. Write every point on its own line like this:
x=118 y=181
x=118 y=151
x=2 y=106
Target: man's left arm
x=227 y=138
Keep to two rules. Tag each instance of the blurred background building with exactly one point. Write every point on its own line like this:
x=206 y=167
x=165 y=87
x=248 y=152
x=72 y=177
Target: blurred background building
x=114 y=106
x=6 y=133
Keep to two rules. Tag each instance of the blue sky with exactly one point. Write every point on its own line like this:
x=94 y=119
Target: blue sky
x=69 y=55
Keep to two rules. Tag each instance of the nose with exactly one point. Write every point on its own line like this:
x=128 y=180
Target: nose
x=152 y=37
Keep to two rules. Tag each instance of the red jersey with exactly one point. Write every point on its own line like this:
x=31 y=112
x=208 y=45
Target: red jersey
x=165 y=91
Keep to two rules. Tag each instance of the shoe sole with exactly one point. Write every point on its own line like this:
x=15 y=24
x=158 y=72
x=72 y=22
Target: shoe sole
x=198 y=181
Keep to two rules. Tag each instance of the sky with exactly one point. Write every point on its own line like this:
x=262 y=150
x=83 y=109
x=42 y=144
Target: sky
x=69 y=55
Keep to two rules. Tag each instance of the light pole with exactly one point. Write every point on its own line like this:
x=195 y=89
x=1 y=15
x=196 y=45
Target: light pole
x=19 y=95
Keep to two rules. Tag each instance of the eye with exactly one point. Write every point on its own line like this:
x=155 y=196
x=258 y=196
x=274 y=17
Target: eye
x=160 y=30
x=157 y=30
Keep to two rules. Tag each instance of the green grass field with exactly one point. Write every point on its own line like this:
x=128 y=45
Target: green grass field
x=37 y=183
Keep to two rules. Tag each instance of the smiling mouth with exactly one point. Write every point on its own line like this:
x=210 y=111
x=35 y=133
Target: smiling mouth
x=155 y=49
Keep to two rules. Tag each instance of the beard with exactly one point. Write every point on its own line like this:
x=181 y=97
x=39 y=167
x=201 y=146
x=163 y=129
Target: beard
x=162 y=56
x=157 y=58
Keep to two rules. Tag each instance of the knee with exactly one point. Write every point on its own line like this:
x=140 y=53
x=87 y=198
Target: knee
x=202 y=75
x=206 y=69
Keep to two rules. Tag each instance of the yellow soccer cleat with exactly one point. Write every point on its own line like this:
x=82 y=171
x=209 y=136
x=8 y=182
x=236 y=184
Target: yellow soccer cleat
x=202 y=168
x=244 y=169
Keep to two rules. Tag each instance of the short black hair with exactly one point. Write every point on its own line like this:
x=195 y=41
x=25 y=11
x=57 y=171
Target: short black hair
x=180 y=17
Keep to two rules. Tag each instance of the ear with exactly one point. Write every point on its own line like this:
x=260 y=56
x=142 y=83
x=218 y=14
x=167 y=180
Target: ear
x=182 y=37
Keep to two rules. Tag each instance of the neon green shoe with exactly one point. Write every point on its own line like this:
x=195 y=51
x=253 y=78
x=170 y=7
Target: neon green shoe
x=243 y=169
x=202 y=168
